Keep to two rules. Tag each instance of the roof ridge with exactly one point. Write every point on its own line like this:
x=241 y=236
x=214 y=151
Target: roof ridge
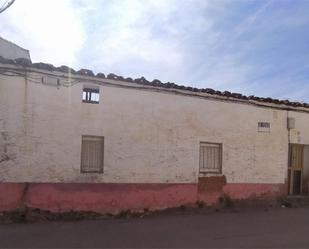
x=156 y=83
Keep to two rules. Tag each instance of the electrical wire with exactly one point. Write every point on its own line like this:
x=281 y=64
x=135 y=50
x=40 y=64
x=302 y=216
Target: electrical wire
x=37 y=80
x=6 y=5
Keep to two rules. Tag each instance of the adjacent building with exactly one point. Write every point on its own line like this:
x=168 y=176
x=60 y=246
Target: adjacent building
x=75 y=141
x=12 y=51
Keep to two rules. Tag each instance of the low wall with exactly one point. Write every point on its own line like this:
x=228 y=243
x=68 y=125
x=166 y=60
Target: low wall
x=113 y=198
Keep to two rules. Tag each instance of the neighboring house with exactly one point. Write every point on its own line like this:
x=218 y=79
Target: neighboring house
x=12 y=51
x=74 y=141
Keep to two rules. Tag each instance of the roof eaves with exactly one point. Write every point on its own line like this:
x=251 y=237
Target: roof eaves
x=154 y=83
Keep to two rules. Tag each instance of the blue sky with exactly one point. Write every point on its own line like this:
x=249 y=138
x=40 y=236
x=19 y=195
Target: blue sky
x=253 y=47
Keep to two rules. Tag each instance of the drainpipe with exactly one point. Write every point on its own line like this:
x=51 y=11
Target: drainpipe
x=288 y=127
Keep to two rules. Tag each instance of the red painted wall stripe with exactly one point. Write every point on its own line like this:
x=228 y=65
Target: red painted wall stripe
x=113 y=198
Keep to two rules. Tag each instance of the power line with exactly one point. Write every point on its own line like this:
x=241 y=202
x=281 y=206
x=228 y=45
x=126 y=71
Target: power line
x=6 y=5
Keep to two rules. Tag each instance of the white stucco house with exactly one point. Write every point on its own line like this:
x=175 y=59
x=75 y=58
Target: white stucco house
x=72 y=140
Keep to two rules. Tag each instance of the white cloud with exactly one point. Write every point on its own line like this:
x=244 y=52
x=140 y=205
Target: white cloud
x=51 y=30
x=127 y=35
x=248 y=47
x=151 y=38
x=247 y=24
x=225 y=72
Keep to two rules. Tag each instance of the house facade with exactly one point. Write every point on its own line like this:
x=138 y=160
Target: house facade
x=12 y=51
x=75 y=141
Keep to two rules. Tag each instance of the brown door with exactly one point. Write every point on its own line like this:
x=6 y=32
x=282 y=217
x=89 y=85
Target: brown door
x=296 y=152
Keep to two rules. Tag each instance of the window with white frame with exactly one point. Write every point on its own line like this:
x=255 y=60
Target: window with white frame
x=92 y=154
x=210 y=157
x=91 y=95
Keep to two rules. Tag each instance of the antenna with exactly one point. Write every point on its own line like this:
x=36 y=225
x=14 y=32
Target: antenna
x=6 y=5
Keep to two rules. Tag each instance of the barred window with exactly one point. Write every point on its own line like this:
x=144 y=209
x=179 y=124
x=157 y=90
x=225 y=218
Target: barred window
x=263 y=127
x=210 y=157
x=92 y=155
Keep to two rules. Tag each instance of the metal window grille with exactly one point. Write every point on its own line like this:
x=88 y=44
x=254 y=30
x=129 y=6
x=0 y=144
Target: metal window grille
x=263 y=127
x=264 y=124
x=92 y=155
x=295 y=171
x=210 y=157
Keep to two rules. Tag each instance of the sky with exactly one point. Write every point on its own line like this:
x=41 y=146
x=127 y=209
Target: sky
x=254 y=47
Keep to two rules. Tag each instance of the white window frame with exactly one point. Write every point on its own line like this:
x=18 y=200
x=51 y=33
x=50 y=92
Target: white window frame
x=203 y=169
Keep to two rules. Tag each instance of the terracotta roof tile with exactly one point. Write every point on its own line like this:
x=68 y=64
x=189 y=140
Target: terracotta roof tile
x=143 y=81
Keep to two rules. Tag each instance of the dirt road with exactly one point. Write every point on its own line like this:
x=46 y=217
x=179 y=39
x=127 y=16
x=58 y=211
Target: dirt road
x=280 y=228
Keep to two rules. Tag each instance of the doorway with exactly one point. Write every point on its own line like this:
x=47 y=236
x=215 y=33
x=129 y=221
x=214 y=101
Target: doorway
x=298 y=169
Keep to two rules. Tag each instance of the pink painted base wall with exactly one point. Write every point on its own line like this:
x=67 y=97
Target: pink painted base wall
x=11 y=195
x=113 y=198
x=254 y=190
x=109 y=198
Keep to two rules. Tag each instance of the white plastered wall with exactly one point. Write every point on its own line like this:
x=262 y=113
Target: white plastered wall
x=150 y=136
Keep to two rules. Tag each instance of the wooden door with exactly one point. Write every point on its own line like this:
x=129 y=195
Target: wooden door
x=295 y=168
